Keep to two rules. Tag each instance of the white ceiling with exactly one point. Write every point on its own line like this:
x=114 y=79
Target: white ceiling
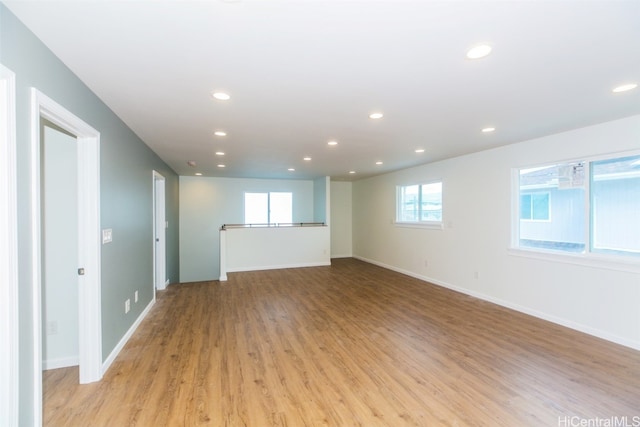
x=303 y=72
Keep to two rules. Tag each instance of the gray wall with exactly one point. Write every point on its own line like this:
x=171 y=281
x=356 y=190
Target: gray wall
x=341 y=213
x=207 y=203
x=320 y=190
x=126 y=195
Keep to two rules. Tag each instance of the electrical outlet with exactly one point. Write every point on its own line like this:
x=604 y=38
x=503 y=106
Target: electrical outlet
x=127 y=306
x=476 y=275
x=135 y=296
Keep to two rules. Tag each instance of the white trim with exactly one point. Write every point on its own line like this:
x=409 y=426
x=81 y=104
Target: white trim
x=90 y=319
x=63 y=362
x=522 y=309
x=9 y=324
x=278 y=267
x=123 y=341
x=223 y=255
x=615 y=263
x=335 y=256
x=425 y=225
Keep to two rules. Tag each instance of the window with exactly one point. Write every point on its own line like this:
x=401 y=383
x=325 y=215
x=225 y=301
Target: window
x=420 y=204
x=268 y=208
x=581 y=207
x=615 y=206
x=534 y=206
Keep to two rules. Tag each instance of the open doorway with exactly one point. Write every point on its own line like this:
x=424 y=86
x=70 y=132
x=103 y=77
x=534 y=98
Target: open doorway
x=59 y=215
x=160 y=232
x=86 y=234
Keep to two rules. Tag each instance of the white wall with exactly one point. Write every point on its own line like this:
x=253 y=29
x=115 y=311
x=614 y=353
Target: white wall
x=207 y=203
x=476 y=238
x=267 y=248
x=341 y=213
x=60 y=251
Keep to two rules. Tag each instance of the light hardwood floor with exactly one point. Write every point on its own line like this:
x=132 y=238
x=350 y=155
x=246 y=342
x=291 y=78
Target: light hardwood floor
x=347 y=345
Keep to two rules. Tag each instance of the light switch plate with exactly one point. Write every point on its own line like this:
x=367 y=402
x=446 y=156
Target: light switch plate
x=107 y=235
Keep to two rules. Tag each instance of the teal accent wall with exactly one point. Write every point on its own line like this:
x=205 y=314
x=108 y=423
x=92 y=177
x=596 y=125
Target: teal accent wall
x=126 y=196
x=320 y=190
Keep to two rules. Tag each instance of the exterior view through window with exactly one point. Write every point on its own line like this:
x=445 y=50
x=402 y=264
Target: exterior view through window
x=420 y=203
x=268 y=208
x=581 y=207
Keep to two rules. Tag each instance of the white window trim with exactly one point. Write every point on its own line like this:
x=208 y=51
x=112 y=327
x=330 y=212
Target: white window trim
x=429 y=225
x=619 y=263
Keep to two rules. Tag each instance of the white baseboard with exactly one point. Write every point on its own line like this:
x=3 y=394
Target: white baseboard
x=112 y=357
x=278 y=267
x=522 y=309
x=341 y=256
x=63 y=362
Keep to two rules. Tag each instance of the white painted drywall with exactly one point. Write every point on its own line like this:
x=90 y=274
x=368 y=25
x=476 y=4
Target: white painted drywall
x=207 y=203
x=477 y=214
x=267 y=248
x=60 y=250
x=341 y=213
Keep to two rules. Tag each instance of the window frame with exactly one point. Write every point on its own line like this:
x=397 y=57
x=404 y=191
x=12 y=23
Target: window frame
x=591 y=258
x=269 y=222
x=427 y=224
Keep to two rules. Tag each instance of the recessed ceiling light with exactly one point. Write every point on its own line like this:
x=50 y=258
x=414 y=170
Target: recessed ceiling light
x=332 y=142
x=219 y=153
x=307 y=159
x=221 y=96
x=191 y=163
x=220 y=133
x=624 y=88
x=222 y=166
x=198 y=174
x=376 y=115
x=489 y=129
x=352 y=172
x=420 y=150
x=378 y=163
x=479 y=51
x=291 y=170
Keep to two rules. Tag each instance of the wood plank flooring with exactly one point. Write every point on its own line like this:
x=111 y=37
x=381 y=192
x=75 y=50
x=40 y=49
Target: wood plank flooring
x=347 y=345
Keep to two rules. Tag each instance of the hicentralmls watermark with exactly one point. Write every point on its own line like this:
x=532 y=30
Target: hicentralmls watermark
x=614 y=421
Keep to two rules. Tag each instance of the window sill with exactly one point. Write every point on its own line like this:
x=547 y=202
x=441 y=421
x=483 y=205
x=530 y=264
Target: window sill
x=423 y=225
x=629 y=265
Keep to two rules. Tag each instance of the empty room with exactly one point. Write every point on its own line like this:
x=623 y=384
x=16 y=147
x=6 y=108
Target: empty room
x=320 y=213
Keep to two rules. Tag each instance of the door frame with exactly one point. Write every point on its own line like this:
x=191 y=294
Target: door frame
x=89 y=292
x=9 y=324
x=159 y=214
